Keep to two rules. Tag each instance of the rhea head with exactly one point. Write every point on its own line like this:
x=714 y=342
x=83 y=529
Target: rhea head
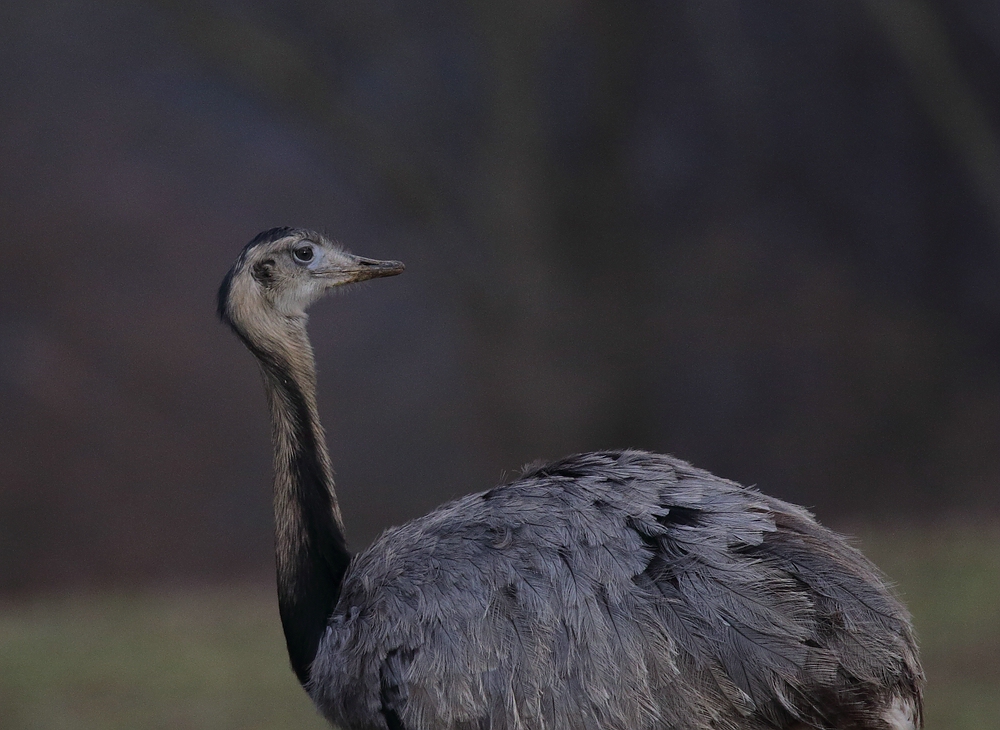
x=281 y=272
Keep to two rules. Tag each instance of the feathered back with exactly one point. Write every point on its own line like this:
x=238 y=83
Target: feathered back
x=616 y=590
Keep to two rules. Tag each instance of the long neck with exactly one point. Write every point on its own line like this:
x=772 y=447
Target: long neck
x=311 y=549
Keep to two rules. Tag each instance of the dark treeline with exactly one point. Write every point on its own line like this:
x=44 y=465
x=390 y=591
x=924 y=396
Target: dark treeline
x=762 y=237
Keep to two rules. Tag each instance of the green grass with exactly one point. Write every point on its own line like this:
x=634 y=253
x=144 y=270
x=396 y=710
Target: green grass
x=214 y=657
x=206 y=658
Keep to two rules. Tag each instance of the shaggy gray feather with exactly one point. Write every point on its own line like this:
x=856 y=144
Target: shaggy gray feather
x=615 y=590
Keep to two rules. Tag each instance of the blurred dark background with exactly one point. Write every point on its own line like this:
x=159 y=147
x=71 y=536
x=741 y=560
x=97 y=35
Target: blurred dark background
x=764 y=237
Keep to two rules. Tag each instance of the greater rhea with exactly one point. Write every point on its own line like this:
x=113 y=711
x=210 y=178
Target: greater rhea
x=619 y=590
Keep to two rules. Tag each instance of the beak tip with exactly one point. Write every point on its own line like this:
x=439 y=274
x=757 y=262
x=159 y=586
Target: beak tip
x=374 y=269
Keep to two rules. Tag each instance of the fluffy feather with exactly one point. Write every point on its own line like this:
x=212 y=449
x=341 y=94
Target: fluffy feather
x=615 y=590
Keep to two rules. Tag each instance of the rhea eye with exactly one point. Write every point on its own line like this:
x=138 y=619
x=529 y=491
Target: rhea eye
x=303 y=254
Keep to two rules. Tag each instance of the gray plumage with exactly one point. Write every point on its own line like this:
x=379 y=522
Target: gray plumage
x=614 y=590
x=618 y=589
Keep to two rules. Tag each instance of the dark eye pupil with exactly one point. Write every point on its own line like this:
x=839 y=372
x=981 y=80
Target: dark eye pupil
x=303 y=253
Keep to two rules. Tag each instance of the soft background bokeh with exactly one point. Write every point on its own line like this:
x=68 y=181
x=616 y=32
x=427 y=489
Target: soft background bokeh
x=764 y=237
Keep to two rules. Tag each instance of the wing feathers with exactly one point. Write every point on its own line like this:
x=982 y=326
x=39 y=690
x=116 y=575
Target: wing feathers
x=614 y=590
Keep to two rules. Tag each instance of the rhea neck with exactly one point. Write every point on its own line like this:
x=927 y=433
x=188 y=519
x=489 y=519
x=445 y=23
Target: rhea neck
x=310 y=546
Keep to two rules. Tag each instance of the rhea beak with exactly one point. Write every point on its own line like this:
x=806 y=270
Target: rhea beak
x=363 y=269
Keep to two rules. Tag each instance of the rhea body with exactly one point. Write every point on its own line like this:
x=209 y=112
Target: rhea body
x=610 y=590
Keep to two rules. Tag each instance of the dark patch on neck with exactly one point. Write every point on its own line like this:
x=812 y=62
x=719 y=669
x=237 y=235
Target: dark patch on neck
x=322 y=556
